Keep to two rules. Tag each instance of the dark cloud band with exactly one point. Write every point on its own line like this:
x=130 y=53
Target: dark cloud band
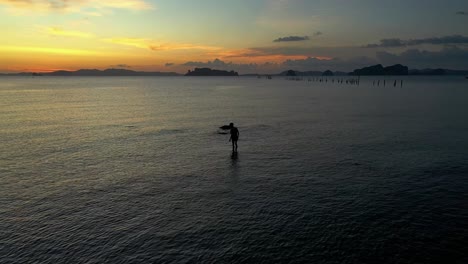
x=396 y=42
x=291 y=39
x=449 y=58
x=120 y=66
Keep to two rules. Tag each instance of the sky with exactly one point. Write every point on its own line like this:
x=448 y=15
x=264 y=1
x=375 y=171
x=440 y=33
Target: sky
x=248 y=36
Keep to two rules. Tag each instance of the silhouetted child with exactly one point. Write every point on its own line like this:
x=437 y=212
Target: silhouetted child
x=234 y=136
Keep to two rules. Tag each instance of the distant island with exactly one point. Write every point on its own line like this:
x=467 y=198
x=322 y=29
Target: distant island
x=399 y=69
x=378 y=69
x=210 y=72
x=108 y=72
x=94 y=72
x=374 y=70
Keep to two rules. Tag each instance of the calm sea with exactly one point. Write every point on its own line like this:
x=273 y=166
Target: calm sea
x=133 y=170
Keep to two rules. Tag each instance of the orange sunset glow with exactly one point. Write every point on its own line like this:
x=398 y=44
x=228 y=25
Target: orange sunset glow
x=259 y=36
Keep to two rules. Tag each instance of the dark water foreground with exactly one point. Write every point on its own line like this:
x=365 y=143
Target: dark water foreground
x=132 y=170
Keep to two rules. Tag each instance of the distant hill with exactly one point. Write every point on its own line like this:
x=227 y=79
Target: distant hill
x=399 y=69
x=108 y=72
x=94 y=72
x=210 y=72
x=328 y=73
x=378 y=69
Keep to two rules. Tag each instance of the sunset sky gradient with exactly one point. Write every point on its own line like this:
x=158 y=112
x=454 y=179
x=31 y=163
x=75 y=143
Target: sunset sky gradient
x=248 y=36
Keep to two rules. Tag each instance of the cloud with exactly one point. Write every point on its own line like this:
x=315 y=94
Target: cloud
x=216 y=63
x=239 y=67
x=169 y=64
x=249 y=54
x=145 y=43
x=334 y=64
x=126 y=66
x=297 y=38
x=462 y=13
x=396 y=42
x=132 y=42
x=449 y=57
x=92 y=13
x=59 y=32
x=175 y=46
x=44 y=6
x=301 y=51
x=393 y=42
x=281 y=53
x=124 y=4
x=291 y=39
x=60 y=51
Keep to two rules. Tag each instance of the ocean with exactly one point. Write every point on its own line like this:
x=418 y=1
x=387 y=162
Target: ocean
x=134 y=170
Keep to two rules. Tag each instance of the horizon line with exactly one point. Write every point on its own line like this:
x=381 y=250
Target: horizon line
x=26 y=71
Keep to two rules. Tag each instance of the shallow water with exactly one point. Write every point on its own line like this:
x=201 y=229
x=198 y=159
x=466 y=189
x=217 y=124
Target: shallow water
x=128 y=170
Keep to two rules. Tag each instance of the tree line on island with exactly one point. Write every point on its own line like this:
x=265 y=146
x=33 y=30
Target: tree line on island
x=374 y=70
x=210 y=72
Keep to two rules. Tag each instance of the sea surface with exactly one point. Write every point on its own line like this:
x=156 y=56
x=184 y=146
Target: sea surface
x=134 y=170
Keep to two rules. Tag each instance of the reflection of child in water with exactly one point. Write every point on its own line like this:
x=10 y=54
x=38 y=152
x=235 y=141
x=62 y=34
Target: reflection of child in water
x=234 y=136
